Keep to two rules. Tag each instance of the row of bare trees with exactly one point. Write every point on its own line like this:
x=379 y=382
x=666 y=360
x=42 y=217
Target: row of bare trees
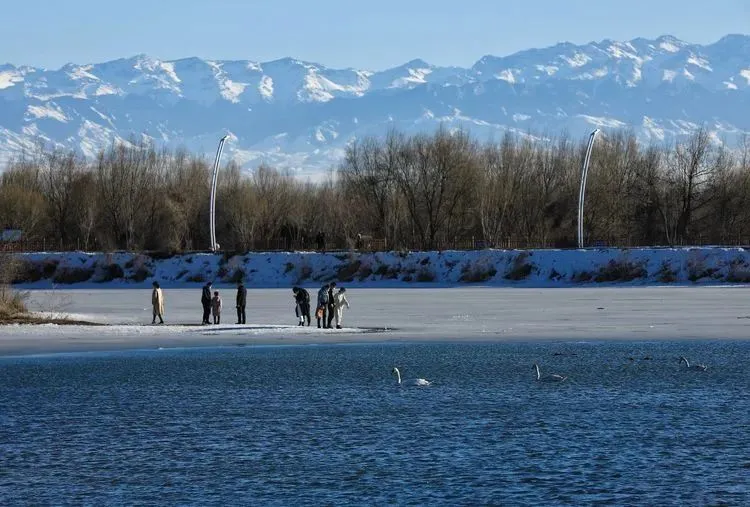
x=418 y=192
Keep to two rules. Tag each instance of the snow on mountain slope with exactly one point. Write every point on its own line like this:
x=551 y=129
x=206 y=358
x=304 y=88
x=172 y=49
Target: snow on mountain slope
x=301 y=115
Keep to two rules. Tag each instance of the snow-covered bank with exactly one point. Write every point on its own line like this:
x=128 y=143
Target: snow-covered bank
x=531 y=268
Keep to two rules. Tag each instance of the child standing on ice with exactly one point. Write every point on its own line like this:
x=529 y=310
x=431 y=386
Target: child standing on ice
x=216 y=307
x=339 y=301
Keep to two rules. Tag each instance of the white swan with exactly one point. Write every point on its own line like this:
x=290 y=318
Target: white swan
x=416 y=381
x=552 y=377
x=699 y=367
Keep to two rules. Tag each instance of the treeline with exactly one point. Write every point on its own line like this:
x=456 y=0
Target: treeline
x=413 y=192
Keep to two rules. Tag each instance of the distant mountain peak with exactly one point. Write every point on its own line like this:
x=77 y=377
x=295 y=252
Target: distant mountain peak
x=417 y=63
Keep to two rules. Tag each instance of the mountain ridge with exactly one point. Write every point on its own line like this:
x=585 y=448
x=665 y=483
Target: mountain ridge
x=301 y=115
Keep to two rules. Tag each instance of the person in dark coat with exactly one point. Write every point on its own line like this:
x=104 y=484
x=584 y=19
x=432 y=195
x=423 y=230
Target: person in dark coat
x=320 y=239
x=320 y=310
x=206 y=302
x=241 y=302
x=305 y=304
x=302 y=309
x=331 y=303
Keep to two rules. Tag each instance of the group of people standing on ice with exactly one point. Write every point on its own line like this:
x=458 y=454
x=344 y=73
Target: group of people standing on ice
x=330 y=305
x=212 y=306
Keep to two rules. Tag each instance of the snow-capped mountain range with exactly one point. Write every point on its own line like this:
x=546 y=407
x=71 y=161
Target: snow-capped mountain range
x=301 y=115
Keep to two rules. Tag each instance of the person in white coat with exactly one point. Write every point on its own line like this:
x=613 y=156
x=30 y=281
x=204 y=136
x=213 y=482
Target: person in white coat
x=339 y=301
x=216 y=306
x=157 y=303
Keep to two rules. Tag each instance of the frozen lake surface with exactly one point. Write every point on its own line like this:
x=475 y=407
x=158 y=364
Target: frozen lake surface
x=378 y=315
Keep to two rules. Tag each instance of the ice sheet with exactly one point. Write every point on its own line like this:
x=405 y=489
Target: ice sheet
x=456 y=314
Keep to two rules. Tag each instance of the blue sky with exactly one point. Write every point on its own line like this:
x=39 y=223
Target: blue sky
x=372 y=34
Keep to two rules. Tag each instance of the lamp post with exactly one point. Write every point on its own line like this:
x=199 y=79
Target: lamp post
x=582 y=192
x=212 y=208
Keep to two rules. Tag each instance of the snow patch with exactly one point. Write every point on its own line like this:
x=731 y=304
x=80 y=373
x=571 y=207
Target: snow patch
x=668 y=75
x=699 y=62
x=652 y=129
x=601 y=72
x=106 y=89
x=550 y=70
x=620 y=51
x=318 y=88
x=82 y=72
x=162 y=74
x=596 y=74
x=9 y=78
x=103 y=116
x=168 y=68
x=669 y=47
x=266 y=87
x=637 y=76
x=231 y=90
x=715 y=138
x=47 y=111
x=746 y=74
x=415 y=77
x=506 y=75
x=600 y=121
x=94 y=137
x=577 y=60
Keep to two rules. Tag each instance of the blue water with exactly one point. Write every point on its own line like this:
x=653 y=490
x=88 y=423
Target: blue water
x=326 y=425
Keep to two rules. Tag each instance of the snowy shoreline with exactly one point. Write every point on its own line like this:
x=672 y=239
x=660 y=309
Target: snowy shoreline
x=495 y=268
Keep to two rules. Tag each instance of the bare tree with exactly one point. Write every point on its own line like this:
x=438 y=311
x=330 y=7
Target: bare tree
x=85 y=209
x=687 y=171
x=125 y=177
x=273 y=199
x=22 y=204
x=436 y=176
x=369 y=173
x=58 y=176
x=238 y=208
x=502 y=171
x=188 y=187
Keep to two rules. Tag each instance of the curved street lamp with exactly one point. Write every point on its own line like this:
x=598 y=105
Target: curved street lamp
x=582 y=192
x=212 y=208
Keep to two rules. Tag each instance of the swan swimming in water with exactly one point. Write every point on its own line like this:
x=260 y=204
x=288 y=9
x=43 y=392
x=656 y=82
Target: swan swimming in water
x=552 y=377
x=416 y=381
x=699 y=367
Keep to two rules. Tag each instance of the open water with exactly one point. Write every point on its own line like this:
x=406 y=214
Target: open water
x=327 y=425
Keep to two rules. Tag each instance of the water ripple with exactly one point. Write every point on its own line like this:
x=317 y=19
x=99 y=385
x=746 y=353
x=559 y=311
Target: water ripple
x=329 y=425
